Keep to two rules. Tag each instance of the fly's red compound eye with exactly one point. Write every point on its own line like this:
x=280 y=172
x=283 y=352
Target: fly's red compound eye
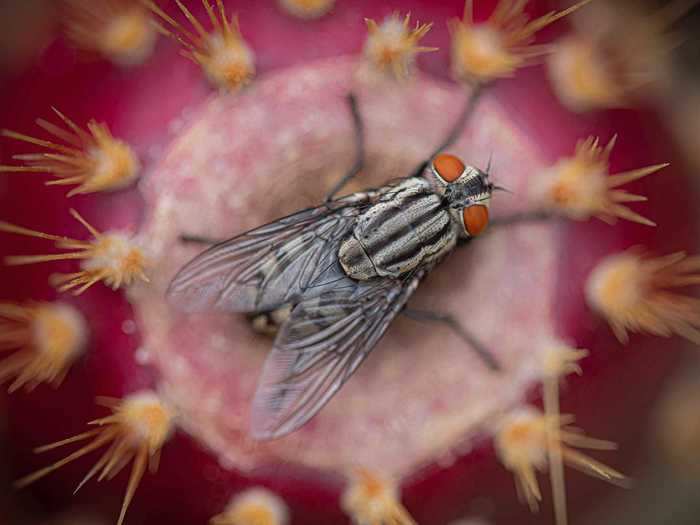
x=448 y=167
x=476 y=218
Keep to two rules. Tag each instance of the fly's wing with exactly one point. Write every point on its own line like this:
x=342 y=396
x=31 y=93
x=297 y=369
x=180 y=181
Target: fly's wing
x=269 y=266
x=320 y=346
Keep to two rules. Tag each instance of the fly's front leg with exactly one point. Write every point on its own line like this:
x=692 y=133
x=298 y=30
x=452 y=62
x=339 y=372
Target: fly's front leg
x=511 y=220
x=457 y=127
x=359 y=163
x=518 y=218
x=454 y=325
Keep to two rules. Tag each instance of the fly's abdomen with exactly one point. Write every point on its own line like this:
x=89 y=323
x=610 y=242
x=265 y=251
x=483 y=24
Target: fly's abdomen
x=408 y=228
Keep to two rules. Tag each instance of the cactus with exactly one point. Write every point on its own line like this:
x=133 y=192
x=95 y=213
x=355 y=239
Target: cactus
x=575 y=287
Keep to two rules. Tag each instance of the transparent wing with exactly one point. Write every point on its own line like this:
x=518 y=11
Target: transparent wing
x=269 y=266
x=321 y=345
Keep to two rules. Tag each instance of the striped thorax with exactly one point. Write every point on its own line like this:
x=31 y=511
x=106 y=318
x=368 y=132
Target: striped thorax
x=417 y=221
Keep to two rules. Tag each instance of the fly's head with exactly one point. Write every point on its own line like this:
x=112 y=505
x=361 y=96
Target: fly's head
x=466 y=191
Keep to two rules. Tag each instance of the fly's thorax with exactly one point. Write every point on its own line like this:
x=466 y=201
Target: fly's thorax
x=355 y=261
x=466 y=191
x=409 y=226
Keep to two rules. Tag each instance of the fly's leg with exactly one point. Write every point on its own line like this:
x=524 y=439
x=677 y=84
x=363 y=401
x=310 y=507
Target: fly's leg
x=511 y=220
x=359 y=163
x=517 y=218
x=454 y=325
x=457 y=128
x=461 y=122
x=197 y=239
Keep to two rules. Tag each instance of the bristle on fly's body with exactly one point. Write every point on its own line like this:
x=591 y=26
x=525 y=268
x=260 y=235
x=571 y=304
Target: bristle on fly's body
x=523 y=442
x=114 y=258
x=635 y=292
x=256 y=506
x=391 y=47
x=307 y=9
x=224 y=56
x=118 y=30
x=45 y=340
x=136 y=431
x=580 y=187
x=94 y=161
x=486 y=51
x=371 y=499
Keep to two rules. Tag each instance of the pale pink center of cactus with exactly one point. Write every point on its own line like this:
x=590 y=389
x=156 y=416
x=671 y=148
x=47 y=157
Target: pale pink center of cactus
x=253 y=157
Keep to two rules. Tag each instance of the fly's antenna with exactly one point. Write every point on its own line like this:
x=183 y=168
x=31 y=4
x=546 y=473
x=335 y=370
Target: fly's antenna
x=494 y=187
x=489 y=166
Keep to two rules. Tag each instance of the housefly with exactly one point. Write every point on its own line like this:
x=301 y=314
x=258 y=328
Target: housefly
x=344 y=270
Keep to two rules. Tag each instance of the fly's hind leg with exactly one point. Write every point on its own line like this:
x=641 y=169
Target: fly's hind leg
x=359 y=130
x=457 y=128
x=454 y=325
x=199 y=239
x=522 y=217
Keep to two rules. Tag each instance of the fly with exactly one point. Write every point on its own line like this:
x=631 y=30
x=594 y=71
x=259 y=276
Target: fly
x=344 y=270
